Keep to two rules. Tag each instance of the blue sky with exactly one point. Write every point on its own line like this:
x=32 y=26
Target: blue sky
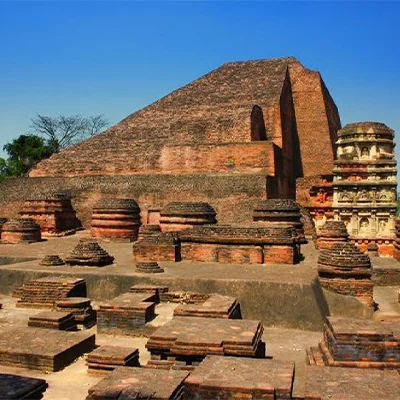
x=116 y=57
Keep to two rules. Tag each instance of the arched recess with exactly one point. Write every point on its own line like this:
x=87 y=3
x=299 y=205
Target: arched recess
x=258 y=131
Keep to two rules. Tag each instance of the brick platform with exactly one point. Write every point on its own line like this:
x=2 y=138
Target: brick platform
x=331 y=233
x=216 y=306
x=242 y=244
x=139 y=383
x=107 y=358
x=346 y=270
x=188 y=340
x=81 y=309
x=21 y=387
x=20 y=230
x=43 y=349
x=351 y=384
x=88 y=252
x=126 y=313
x=45 y=292
x=163 y=247
x=177 y=216
x=240 y=378
x=54 y=213
x=116 y=219
x=63 y=321
x=357 y=343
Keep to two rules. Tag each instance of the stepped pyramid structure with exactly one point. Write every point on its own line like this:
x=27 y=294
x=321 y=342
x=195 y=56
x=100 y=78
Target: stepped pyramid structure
x=243 y=132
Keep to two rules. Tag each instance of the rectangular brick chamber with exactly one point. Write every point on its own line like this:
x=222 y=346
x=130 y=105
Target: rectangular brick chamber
x=126 y=313
x=240 y=378
x=21 y=387
x=43 y=349
x=349 y=342
x=240 y=244
x=45 y=292
x=187 y=340
x=143 y=383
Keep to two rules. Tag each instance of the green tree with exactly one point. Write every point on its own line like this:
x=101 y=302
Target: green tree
x=23 y=154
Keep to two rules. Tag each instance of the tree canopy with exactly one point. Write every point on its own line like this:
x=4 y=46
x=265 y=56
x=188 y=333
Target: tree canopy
x=48 y=135
x=64 y=131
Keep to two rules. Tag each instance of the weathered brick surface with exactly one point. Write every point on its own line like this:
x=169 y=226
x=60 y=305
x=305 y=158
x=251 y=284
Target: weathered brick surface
x=177 y=216
x=20 y=230
x=280 y=213
x=125 y=313
x=240 y=378
x=21 y=387
x=81 y=309
x=139 y=383
x=331 y=233
x=250 y=244
x=45 y=292
x=107 y=358
x=190 y=339
x=163 y=247
x=64 y=321
x=43 y=349
x=51 y=260
x=216 y=306
x=89 y=252
x=117 y=219
x=354 y=384
x=210 y=127
x=397 y=241
x=357 y=343
x=54 y=213
x=346 y=270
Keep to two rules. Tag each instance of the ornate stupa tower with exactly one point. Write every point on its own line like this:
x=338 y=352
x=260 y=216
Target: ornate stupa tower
x=365 y=185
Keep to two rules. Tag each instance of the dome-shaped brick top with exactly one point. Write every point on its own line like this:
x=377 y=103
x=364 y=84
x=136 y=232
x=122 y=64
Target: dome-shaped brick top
x=21 y=225
x=344 y=256
x=182 y=208
x=365 y=128
x=51 y=260
x=277 y=205
x=117 y=204
x=89 y=252
x=335 y=229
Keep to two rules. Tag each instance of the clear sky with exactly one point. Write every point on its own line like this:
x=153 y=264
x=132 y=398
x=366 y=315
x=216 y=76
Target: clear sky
x=116 y=57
